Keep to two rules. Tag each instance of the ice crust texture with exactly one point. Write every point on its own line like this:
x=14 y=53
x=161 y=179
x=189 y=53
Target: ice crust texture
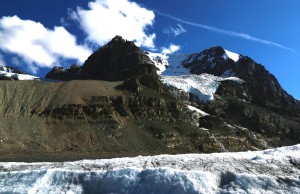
x=269 y=171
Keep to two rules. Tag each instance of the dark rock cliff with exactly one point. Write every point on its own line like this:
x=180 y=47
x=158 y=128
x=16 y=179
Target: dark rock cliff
x=64 y=74
x=260 y=86
x=118 y=60
x=259 y=104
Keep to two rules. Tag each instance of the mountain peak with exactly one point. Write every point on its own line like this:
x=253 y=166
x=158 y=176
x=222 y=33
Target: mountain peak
x=118 y=38
x=215 y=60
x=118 y=60
x=220 y=52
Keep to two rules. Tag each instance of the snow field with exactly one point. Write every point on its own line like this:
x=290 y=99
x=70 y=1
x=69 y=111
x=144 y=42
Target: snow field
x=18 y=76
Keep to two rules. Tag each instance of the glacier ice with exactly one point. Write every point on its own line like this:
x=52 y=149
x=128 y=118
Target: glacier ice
x=268 y=171
x=203 y=86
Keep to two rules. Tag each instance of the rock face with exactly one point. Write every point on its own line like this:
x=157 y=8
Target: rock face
x=259 y=104
x=260 y=87
x=212 y=61
x=64 y=74
x=117 y=60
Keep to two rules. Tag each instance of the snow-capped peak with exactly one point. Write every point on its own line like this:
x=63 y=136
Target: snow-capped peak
x=234 y=56
x=173 y=73
x=173 y=64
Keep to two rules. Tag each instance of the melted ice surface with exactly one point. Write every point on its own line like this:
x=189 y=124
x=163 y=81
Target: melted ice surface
x=268 y=171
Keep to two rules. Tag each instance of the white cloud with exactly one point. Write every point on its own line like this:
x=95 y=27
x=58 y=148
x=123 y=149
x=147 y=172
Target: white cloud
x=174 y=31
x=107 y=18
x=171 y=49
x=225 y=32
x=37 y=45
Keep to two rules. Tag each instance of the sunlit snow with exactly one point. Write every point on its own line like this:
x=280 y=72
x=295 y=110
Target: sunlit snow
x=269 y=171
x=8 y=73
x=174 y=74
x=201 y=112
x=234 y=56
x=169 y=64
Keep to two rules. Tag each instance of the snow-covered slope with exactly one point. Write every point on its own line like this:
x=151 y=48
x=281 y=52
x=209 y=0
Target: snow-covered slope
x=9 y=73
x=234 y=56
x=269 y=171
x=203 y=86
x=174 y=74
x=169 y=64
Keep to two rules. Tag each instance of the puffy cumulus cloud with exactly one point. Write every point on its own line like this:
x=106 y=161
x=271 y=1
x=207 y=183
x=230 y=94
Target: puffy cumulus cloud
x=37 y=45
x=171 y=49
x=174 y=31
x=107 y=18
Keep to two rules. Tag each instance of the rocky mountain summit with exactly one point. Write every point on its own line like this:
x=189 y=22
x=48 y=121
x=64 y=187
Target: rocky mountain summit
x=119 y=60
x=124 y=101
x=258 y=104
x=260 y=87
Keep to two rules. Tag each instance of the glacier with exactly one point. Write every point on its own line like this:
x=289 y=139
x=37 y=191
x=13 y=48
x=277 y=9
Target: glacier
x=203 y=86
x=172 y=73
x=267 y=171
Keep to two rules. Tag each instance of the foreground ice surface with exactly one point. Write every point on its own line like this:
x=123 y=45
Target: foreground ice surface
x=269 y=171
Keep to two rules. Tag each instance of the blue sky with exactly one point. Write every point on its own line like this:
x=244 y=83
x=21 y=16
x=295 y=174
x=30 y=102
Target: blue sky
x=35 y=35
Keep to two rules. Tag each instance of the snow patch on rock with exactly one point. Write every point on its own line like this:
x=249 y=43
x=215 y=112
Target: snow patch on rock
x=169 y=64
x=234 y=56
x=201 y=112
